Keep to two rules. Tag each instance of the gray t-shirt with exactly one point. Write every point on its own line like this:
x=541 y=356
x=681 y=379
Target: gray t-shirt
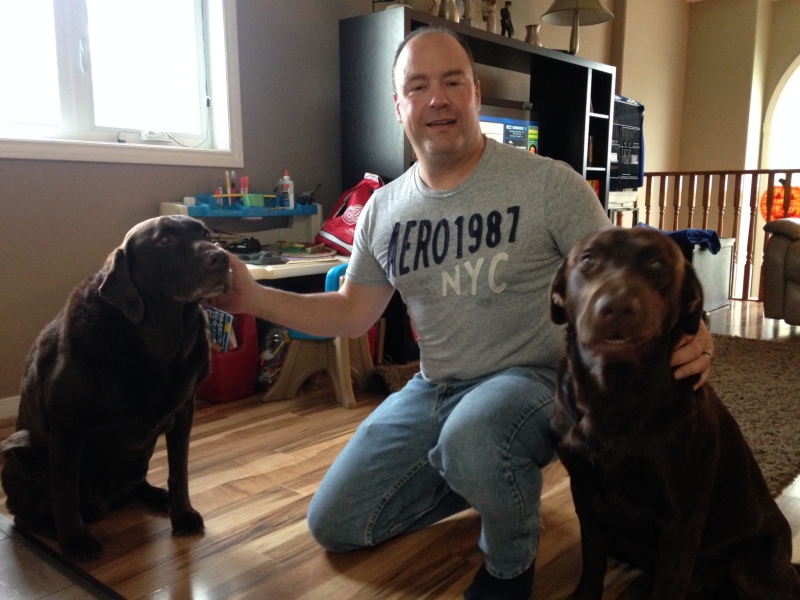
x=473 y=264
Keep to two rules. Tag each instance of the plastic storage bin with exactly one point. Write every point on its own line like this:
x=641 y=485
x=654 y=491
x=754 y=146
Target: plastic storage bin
x=234 y=373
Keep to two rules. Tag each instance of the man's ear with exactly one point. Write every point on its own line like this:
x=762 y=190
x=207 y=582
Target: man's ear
x=118 y=289
x=691 y=301
x=558 y=294
x=397 y=109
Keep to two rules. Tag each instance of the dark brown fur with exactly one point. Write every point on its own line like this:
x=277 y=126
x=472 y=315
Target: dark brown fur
x=117 y=367
x=661 y=475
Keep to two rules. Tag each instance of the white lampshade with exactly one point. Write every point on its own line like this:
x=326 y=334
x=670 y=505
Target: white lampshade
x=590 y=12
x=576 y=13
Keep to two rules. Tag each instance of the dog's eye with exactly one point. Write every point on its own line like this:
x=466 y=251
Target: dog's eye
x=587 y=261
x=656 y=265
x=164 y=240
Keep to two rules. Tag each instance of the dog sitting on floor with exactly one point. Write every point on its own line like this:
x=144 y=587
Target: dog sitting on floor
x=661 y=475
x=116 y=368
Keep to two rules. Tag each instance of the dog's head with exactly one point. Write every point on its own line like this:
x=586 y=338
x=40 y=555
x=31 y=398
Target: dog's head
x=622 y=290
x=168 y=258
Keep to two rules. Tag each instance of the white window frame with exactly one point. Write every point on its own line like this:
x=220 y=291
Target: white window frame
x=77 y=150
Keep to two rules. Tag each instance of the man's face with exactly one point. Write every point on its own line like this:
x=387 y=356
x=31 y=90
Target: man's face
x=437 y=100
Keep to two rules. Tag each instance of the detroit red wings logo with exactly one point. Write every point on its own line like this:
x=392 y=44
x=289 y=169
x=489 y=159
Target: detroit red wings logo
x=339 y=228
x=350 y=216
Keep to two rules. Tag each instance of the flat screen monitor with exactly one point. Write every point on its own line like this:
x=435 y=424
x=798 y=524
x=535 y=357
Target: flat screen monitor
x=517 y=127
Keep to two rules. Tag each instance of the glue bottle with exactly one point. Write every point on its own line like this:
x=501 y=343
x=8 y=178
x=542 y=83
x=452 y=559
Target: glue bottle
x=286 y=190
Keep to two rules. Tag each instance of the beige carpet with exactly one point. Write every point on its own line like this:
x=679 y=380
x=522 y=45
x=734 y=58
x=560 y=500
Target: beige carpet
x=759 y=382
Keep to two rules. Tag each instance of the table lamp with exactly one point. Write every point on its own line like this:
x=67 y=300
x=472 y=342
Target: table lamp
x=576 y=13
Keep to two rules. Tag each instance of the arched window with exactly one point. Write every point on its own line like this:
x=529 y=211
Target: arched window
x=784 y=125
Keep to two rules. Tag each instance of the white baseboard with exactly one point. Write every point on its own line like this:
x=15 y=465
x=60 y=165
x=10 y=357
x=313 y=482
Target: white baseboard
x=9 y=407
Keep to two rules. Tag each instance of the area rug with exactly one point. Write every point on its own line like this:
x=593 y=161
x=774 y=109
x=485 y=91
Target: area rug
x=759 y=382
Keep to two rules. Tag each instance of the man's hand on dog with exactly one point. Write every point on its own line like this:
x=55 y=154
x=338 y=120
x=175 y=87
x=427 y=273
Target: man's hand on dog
x=243 y=287
x=693 y=356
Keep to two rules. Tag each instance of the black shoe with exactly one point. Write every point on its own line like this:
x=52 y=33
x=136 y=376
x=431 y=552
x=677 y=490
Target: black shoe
x=489 y=587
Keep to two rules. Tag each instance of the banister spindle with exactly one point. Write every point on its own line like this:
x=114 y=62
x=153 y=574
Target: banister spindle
x=677 y=192
x=706 y=197
x=751 y=236
x=723 y=190
x=787 y=194
x=737 y=219
x=690 y=200
x=662 y=201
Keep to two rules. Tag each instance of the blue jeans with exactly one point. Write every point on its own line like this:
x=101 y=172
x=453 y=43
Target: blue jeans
x=432 y=450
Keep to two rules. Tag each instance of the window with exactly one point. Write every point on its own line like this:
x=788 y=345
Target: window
x=785 y=123
x=143 y=81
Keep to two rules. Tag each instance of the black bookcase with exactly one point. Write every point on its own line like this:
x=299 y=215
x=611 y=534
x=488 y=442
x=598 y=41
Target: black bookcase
x=571 y=97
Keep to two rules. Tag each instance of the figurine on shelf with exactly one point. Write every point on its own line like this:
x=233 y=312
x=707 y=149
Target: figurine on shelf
x=490 y=15
x=471 y=14
x=532 y=35
x=506 y=25
x=449 y=10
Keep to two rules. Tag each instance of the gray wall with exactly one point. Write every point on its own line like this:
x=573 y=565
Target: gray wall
x=737 y=53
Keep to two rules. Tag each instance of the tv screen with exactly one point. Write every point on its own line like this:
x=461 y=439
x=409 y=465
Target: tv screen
x=516 y=127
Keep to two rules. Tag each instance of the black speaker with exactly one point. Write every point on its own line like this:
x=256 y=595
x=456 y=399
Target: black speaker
x=627 y=160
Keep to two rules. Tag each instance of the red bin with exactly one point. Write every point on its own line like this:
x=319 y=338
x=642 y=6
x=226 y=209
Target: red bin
x=234 y=373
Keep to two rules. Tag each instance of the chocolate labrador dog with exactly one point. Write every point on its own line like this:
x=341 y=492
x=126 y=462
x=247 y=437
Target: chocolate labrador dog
x=118 y=366
x=661 y=475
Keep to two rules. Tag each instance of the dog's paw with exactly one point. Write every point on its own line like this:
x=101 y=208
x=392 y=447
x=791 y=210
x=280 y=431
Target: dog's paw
x=188 y=523
x=94 y=510
x=154 y=497
x=82 y=547
x=17 y=440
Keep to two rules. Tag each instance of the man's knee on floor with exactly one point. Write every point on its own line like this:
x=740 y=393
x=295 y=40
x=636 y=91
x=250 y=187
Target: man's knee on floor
x=322 y=524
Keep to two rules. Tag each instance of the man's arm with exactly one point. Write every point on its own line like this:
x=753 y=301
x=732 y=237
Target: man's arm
x=347 y=313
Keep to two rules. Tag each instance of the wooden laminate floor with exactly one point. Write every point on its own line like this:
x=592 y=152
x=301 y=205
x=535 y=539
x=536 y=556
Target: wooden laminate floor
x=254 y=468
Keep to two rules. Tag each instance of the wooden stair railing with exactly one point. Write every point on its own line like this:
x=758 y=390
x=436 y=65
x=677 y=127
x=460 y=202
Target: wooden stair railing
x=675 y=194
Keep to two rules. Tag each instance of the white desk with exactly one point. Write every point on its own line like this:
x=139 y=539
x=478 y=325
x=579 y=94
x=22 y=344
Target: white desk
x=301 y=228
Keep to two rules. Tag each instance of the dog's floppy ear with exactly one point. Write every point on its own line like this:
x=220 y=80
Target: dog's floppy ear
x=118 y=289
x=558 y=292
x=691 y=301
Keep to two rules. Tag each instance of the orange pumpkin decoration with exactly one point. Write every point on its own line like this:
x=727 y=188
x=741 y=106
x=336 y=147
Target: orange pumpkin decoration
x=777 y=203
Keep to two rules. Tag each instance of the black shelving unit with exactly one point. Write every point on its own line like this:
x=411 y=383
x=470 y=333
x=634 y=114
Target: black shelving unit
x=573 y=98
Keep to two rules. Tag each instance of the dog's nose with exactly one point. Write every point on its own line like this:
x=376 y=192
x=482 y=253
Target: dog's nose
x=216 y=259
x=618 y=307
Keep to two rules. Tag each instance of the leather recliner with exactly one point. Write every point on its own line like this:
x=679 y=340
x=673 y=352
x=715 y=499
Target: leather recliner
x=782 y=271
